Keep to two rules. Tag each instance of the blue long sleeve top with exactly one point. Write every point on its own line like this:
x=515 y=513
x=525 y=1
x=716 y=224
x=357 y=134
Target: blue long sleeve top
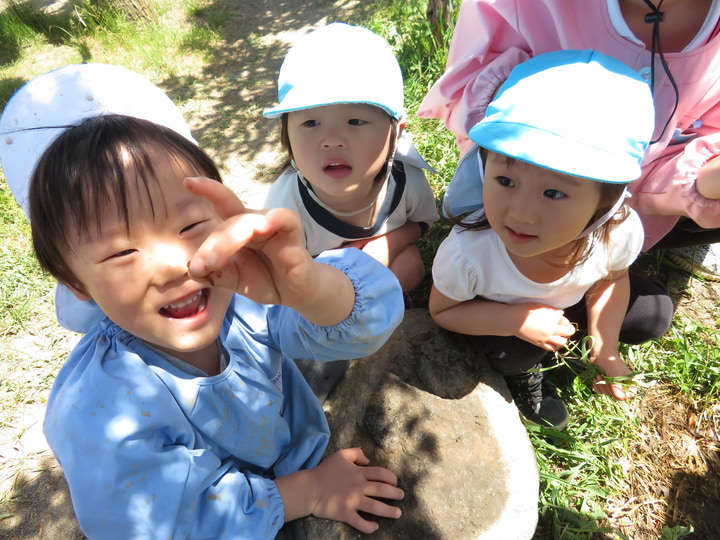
x=151 y=449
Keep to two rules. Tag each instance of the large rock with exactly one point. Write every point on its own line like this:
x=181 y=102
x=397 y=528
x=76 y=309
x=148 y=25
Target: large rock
x=429 y=408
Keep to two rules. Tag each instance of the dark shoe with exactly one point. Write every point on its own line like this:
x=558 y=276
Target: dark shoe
x=537 y=400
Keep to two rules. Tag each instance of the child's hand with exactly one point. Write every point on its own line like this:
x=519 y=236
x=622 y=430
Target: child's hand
x=544 y=326
x=708 y=179
x=344 y=486
x=612 y=367
x=257 y=254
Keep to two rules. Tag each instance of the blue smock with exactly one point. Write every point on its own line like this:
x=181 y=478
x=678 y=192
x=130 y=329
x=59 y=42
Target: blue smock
x=152 y=450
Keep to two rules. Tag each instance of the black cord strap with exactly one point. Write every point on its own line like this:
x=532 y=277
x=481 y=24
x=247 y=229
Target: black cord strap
x=655 y=17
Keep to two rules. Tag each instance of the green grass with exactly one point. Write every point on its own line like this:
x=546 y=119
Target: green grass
x=153 y=44
x=21 y=282
x=582 y=470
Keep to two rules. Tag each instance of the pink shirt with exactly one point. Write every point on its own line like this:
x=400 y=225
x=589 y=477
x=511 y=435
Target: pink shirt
x=493 y=36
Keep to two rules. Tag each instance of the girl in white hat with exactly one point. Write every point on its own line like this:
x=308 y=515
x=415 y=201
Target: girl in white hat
x=544 y=255
x=354 y=179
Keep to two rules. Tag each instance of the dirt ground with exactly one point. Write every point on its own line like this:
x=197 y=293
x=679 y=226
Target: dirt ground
x=223 y=104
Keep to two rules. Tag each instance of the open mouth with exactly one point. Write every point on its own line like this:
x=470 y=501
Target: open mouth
x=189 y=306
x=332 y=167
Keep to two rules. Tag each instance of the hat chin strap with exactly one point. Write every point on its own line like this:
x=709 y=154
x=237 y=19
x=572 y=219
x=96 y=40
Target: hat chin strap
x=602 y=220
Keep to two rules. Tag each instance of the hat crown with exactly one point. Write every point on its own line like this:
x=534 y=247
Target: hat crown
x=339 y=63
x=580 y=113
x=43 y=108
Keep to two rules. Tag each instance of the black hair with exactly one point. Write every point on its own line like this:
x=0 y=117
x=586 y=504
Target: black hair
x=86 y=168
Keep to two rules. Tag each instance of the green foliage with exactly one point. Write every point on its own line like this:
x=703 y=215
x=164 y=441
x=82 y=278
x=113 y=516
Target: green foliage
x=21 y=281
x=688 y=359
x=95 y=18
x=22 y=24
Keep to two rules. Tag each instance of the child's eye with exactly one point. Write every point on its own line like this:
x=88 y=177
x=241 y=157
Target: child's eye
x=310 y=123
x=191 y=226
x=554 y=194
x=505 y=181
x=356 y=122
x=121 y=254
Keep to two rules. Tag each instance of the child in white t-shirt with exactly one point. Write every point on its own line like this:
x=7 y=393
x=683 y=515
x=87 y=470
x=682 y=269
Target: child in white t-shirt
x=354 y=177
x=546 y=249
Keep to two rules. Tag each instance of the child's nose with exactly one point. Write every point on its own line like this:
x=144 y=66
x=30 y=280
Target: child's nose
x=523 y=209
x=332 y=138
x=170 y=262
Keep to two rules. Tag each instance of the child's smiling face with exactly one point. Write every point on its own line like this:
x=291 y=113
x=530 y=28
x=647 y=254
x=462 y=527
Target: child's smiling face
x=536 y=211
x=340 y=149
x=137 y=273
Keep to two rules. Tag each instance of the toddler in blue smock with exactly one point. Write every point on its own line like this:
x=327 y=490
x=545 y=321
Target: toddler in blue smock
x=181 y=414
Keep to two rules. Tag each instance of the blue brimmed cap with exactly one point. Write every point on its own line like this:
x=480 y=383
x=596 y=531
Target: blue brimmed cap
x=339 y=63
x=577 y=112
x=580 y=113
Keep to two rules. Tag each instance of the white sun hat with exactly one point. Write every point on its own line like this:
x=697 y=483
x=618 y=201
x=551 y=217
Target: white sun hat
x=339 y=63
x=45 y=107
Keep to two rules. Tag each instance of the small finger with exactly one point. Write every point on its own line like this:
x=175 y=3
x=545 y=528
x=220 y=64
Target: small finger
x=362 y=525
x=379 y=508
x=355 y=455
x=225 y=201
x=556 y=342
x=617 y=391
x=233 y=235
x=380 y=474
x=384 y=491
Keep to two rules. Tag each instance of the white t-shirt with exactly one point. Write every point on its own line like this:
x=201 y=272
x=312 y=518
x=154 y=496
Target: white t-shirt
x=476 y=263
x=408 y=197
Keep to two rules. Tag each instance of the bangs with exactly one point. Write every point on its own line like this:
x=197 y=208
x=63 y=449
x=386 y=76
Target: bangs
x=95 y=168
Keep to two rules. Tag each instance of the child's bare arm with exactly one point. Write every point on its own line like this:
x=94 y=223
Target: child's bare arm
x=541 y=325
x=607 y=304
x=340 y=487
x=261 y=256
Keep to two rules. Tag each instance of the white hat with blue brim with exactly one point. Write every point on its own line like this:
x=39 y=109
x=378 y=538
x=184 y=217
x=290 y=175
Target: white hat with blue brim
x=577 y=112
x=339 y=63
x=45 y=107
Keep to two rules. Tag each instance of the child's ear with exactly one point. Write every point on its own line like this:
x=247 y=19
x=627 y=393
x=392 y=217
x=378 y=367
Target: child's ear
x=79 y=291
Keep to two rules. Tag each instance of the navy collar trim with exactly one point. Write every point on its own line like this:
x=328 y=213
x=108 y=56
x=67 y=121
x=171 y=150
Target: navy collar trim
x=328 y=221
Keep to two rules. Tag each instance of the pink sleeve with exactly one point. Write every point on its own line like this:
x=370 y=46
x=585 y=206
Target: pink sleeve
x=667 y=189
x=485 y=46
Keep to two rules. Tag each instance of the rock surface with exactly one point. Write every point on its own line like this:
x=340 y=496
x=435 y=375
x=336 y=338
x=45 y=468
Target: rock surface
x=430 y=409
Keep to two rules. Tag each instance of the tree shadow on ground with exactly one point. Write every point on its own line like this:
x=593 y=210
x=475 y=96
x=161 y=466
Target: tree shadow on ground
x=695 y=500
x=39 y=508
x=241 y=74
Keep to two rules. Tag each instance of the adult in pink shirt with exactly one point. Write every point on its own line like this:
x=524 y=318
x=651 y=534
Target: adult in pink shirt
x=680 y=178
